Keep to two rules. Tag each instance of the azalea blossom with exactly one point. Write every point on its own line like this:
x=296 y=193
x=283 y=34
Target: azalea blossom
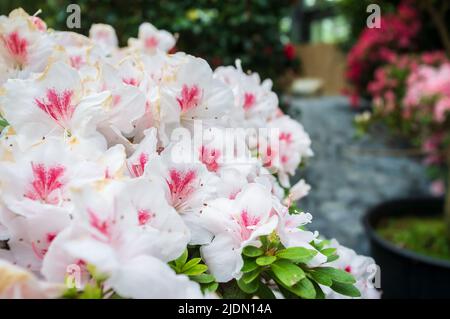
x=17 y=283
x=151 y=39
x=254 y=101
x=145 y=151
x=193 y=94
x=121 y=231
x=77 y=51
x=188 y=185
x=128 y=100
x=298 y=191
x=292 y=233
x=39 y=194
x=235 y=224
x=25 y=46
x=294 y=145
x=47 y=107
x=104 y=36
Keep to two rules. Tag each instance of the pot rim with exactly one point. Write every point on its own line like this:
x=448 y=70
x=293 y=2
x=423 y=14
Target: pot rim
x=405 y=253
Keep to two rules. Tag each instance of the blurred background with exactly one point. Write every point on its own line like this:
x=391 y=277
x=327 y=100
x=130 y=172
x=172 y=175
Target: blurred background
x=308 y=48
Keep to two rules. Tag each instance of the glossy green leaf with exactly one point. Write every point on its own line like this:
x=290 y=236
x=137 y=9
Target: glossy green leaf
x=336 y=274
x=319 y=292
x=346 y=289
x=332 y=258
x=196 y=270
x=321 y=278
x=203 y=278
x=265 y=292
x=288 y=273
x=249 y=265
x=211 y=287
x=248 y=288
x=304 y=289
x=191 y=263
x=252 y=251
x=180 y=261
x=296 y=254
x=250 y=276
x=328 y=251
x=265 y=260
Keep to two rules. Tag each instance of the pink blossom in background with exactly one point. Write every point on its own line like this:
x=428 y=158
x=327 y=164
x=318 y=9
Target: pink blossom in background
x=431 y=148
x=391 y=80
x=437 y=187
x=429 y=86
x=376 y=47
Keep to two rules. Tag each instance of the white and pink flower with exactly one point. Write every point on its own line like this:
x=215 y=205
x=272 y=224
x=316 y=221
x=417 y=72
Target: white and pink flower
x=46 y=107
x=94 y=180
x=151 y=39
x=235 y=224
x=25 y=45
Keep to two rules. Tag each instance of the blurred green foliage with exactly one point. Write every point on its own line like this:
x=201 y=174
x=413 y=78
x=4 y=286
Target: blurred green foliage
x=219 y=31
x=426 y=236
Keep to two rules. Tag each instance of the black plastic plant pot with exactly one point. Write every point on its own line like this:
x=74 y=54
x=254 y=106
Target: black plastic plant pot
x=405 y=274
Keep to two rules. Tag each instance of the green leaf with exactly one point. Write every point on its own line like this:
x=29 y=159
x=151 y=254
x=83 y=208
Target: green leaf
x=264 y=241
x=293 y=209
x=319 y=291
x=91 y=292
x=265 y=292
x=250 y=276
x=332 y=258
x=346 y=289
x=203 y=278
x=320 y=245
x=288 y=273
x=70 y=293
x=321 y=278
x=304 y=289
x=231 y=290
x=328 y=251
x=3 y=123
x=248 y=288
x=284 y=291
x=191 y=263
x=252 y=251
x=336 y=275
x=265 y=260
x=249 y=265
x=211 y=287
x=180 y=261
x=297 y=254
x=196 y=270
